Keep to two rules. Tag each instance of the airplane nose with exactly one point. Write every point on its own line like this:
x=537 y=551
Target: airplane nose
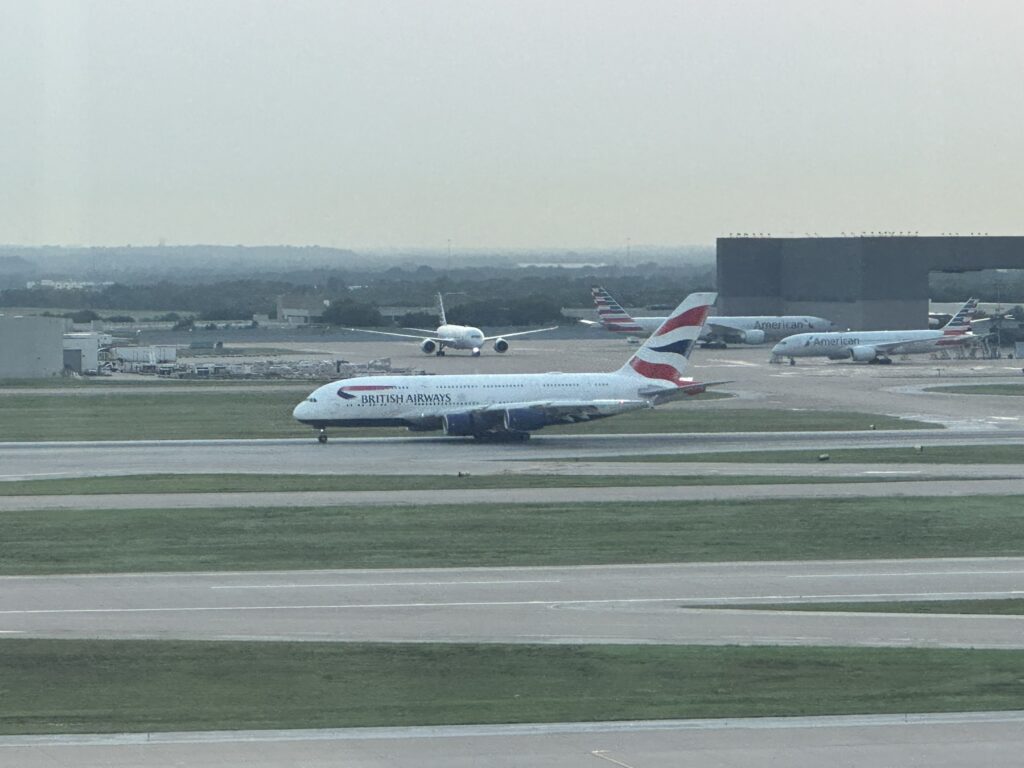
x=301 y=411
x=778 y=348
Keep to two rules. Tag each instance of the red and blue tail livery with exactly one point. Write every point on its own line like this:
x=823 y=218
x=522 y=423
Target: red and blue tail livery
x=666 y=353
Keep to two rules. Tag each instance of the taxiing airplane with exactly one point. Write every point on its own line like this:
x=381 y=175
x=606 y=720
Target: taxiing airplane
x=877 y=346
x=718 y=330
x=510 y=406
x=454 y=336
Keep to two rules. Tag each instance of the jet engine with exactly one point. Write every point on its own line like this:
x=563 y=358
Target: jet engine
x=459 y=424
x=863 y=353
x=524 y=420
x=753 y=336
x=428 y=346
x=500 y=345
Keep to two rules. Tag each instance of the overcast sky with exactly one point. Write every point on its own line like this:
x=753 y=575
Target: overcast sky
x=553 y=123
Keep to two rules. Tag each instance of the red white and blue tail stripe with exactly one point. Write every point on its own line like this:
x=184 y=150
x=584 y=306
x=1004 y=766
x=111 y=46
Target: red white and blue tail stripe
x=665 y=354
x=960 y=323
x=611 y=314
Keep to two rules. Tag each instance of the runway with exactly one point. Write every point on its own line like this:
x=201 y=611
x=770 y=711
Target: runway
x=949 y=740
x=428 y=455
x=670 y=604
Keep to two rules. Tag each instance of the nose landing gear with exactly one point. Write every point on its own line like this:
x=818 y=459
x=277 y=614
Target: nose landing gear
x=322 y=436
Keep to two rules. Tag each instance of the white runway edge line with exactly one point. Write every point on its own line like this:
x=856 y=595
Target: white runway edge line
x=524 y=729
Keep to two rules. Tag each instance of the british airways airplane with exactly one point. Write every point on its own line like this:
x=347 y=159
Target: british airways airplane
x=454 y=336
x=718 y=329
x=510 y=406
x=876 y=346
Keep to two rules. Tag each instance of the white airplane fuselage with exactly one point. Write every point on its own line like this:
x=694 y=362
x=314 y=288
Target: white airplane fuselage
x=773 y=327
x=862 y=345
x=422 y=402
x=460 y=336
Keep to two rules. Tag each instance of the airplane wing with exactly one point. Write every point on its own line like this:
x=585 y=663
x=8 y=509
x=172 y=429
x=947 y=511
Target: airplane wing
x=518 y=333
x=433 y=334
x=569 y=411
x=431 y=331
x=662 y=395
x=895 y=347
x=712 y=325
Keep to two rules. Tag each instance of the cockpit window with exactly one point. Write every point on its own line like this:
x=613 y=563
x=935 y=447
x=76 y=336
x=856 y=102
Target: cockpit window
x=310 y=399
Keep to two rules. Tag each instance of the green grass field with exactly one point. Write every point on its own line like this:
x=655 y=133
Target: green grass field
x=72 y=541
x=296 y=483
x=54 y=686
x=1008 y=607
x=982 y=389
x=263 y=414
x=937 y=454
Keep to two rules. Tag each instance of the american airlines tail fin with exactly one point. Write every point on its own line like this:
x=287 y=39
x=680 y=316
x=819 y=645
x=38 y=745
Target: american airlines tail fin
x=611 y=314
x=440 y=310
x=960 y=323
x=665 y=354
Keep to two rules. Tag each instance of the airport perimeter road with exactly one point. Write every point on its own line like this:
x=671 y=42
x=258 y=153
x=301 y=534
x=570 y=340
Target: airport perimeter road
x=948 y=740
x=668 y=604
x=428 y=455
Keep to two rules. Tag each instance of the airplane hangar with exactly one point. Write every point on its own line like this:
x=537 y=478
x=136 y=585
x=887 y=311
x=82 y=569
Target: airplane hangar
x=869 y=283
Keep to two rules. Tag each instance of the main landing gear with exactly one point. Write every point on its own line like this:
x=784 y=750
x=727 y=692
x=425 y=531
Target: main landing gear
x=322 y=437
x=440 y=352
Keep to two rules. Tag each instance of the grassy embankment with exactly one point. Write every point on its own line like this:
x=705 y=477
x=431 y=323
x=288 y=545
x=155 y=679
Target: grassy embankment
x=1012 y=390
x=73 y=541
x=113 y=686
x=253 y=483
x=932 y=454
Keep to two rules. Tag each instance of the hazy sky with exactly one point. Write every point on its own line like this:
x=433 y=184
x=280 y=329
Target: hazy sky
x=556 y=123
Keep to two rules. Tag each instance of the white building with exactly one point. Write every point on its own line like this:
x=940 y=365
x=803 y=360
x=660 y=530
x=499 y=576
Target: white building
x=31 y=347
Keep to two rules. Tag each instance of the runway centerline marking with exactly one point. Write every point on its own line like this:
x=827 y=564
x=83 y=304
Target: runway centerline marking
x=386 y=584
x=687 y=602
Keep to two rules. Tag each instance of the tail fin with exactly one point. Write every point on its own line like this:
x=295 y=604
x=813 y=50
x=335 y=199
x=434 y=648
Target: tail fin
x=611 y=315
x=440 y=310
x=960 y=323
x=665 y=354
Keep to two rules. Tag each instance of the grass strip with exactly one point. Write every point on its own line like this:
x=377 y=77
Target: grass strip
x=245 y=483
x=932 y=454
x=58 y=686
x=1013 y=390
x=70 y=541
x=263 y=414
x=1007 y=607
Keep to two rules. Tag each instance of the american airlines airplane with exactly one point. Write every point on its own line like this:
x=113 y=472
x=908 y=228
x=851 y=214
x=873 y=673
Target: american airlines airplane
x=454 y=336
x=876 y=346
x=510 y=406
x=717 y=331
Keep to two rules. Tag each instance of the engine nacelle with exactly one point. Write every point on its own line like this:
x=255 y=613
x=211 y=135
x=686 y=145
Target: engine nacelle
x=428 y=346
x=863 y=353
x=753 y=336
x=459 y=424
x=525 y=420
x=500 y=345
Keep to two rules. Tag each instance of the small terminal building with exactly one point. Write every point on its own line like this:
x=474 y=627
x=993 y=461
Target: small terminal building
x=865 y=283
